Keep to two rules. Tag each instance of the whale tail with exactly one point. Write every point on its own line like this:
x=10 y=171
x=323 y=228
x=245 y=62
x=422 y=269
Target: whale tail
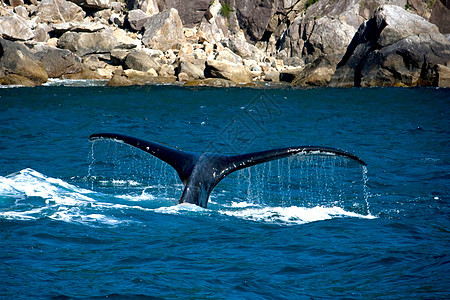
x=201 y=172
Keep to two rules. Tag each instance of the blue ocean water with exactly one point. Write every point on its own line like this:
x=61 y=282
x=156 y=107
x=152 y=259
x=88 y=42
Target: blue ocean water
x=100 y=220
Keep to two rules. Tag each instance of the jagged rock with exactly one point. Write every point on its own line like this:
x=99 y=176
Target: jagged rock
x=116 y=6
x=234 y=72
x=103 y=16
x=326 y=29
x=137 y=18
x=273 y=76
x=60 y=28
x=42 y=33
x=227 y=55
x=135 y=73
x=141 y=60
x=14 y=79
x=95 y=62
x=21 y=11
x=118 y=56
x=125 y=41
x=395 y=47
x=199 y=54
x=119 y=80
x=191 y=12
x=183 y=77
x=193 y=70
x=16 y=59
x=108 y=71
x=186 y=49
x=442 y=76
x=440 y=16
x=93 y=4
x=57 y=61
x=15 y=28
x=241 y=47
x=82 y=43
x=318 y=73
x=56 y=11
x=97 y=4
x=214 y=82
x=213 y=28
x=149 y=6
x=164 y=31
x=167 y=71
x=133 y=77
x=329 y=37
x=291 y=41
x=254 y=16
x=85 y=73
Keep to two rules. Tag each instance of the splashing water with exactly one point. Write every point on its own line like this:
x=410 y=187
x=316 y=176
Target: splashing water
x=123 y=181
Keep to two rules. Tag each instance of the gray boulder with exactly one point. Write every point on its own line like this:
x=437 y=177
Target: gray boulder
x=137 y=18
x=326 y=29
x=57 y=11
x=395 y=47
x=141 y=60
x=60 y=28
x=241 y=47
x=82 y=43
x=15 y=58
x=194 y=70
x=57 y=62
x=318 y=73
x=93 y=4
x=254 y=16
x=191 y=12
x=214 y=26
x=15 y=28
x=227 y=55
x=97 y=4
x=133 y=77
x=222 y=69
x=440 y=16
x=42 y=32
x=14 y=79
x=164 y=31
x=118 y=56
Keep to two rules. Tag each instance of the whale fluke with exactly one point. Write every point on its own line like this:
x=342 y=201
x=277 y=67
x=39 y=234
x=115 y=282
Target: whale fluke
x=201 y=172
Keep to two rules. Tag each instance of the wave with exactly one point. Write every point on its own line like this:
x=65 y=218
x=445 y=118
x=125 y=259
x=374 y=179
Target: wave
x=75 y=82
x=292 y=215
x=30 y=195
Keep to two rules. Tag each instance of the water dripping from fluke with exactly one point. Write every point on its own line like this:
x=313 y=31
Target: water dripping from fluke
x=327 y=185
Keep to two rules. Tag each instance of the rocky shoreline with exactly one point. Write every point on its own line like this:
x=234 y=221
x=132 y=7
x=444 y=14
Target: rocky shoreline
x=339 y=43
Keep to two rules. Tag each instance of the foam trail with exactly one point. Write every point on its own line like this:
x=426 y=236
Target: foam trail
x=36 y=196
x=30 y=195
x=292 y=215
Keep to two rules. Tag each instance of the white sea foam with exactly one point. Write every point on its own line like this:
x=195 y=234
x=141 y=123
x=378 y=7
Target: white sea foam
x=179 y=209
x=31 y=195
x=144 y=196
x=59 y=200
x=75 y=82
x=292 y=215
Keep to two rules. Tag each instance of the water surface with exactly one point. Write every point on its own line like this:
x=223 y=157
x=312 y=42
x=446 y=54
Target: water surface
x=97 y=220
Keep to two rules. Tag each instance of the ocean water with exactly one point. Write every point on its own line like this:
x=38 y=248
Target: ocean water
x=82 y=220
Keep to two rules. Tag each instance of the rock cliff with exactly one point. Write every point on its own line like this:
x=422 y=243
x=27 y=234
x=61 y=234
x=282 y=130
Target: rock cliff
x=395 y=47
x=227 y=42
